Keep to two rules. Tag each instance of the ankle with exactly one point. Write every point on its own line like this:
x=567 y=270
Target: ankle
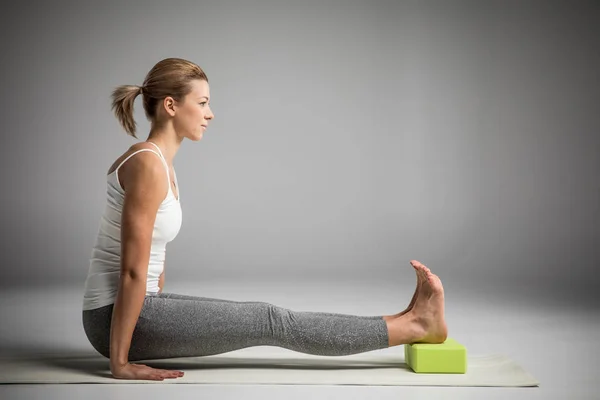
x=405 y=329
x=389 y=318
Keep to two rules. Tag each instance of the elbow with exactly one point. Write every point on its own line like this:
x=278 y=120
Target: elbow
x=133 y=275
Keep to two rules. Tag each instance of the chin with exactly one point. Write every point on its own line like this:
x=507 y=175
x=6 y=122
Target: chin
x=195 y=137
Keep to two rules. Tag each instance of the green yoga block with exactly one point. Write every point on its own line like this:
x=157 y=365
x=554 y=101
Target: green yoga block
x=449 y=357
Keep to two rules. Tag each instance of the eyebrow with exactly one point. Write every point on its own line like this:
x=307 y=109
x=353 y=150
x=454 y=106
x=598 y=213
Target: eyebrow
x=204 y=97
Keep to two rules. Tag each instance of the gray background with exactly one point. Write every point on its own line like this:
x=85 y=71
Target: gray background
x=350 y=137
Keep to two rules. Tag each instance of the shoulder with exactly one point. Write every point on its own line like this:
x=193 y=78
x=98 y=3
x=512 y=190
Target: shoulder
x=129 y=156
x=140 y=167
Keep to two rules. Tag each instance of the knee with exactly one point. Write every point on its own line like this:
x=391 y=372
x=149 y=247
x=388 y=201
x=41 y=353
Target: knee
x=278 y=316
x=272 y=309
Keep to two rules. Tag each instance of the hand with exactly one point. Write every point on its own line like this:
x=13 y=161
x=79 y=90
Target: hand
x=141 y=371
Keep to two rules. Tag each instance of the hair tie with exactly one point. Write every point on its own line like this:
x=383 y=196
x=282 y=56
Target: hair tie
x=141 y=89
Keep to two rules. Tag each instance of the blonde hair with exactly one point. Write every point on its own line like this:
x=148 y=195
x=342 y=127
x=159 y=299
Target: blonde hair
x=169 y=77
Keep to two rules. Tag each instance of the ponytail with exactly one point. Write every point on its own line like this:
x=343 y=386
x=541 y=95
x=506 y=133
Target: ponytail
x=123 y=98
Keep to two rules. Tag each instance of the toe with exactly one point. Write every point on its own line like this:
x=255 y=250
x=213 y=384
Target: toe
x=427 y=276
x=424 y=266
x=422 y=272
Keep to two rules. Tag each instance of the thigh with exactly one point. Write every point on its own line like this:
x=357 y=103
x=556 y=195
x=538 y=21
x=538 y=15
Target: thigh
x=171 y=327
x=178 y=296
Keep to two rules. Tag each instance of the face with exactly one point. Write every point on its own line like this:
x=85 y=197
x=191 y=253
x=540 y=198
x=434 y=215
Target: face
x=193 y=113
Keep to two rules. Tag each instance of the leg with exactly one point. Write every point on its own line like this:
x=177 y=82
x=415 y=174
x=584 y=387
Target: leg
x=385 y=317
x=169 y=328
x=178 y=296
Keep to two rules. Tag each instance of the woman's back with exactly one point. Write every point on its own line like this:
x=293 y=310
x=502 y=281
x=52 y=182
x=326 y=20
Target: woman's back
x=106 y=259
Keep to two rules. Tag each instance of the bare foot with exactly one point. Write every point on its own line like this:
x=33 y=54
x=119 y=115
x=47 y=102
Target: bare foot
x=414 y=298
x=428 y=311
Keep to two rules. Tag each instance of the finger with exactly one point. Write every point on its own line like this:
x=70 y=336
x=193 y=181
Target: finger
x=168 y=374
x=171 y=371
x=156 y=377
x=163 y=371
x=154 y=374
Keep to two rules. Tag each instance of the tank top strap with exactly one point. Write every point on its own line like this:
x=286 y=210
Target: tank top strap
x=133 y=154
x=162 y=157
x=159 y=154
x=158 y=148
x=116 y=171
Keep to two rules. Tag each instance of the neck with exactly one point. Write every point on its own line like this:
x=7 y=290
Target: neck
x=167 y=139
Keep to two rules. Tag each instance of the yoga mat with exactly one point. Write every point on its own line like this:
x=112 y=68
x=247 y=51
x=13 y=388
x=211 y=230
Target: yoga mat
x=271 y=369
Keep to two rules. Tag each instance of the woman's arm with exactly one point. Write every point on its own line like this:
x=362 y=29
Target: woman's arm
x=161 y=281
x=145 y=187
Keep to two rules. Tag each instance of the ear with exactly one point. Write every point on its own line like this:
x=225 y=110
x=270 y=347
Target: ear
x=169 y=105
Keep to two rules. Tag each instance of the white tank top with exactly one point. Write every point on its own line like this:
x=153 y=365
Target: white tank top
x=104 y=271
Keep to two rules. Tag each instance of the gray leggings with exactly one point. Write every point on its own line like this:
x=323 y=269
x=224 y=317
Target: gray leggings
x=173 y=325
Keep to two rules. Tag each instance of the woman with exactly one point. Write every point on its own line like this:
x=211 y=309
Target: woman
x=127 y=316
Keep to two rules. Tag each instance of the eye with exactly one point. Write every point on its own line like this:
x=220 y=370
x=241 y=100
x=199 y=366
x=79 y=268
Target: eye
x=203 y=103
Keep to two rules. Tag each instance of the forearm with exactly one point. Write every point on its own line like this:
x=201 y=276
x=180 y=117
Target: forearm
x=126 y=311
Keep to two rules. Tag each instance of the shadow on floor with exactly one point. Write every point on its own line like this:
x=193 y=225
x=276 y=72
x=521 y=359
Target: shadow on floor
x=91 y=362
